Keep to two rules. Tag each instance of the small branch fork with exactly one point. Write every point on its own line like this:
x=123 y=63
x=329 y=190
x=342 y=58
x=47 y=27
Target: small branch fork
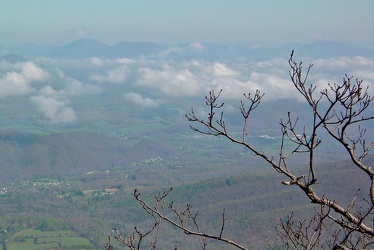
x=347 y=103
x=302 y=234
x=183 y=218
x=134 y=240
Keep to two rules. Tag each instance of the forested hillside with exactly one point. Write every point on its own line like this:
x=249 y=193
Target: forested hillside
x=81 y=202
x=24 y=155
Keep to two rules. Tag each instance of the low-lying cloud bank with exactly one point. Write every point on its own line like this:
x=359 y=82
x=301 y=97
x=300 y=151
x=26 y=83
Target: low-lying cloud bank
x=52 y=84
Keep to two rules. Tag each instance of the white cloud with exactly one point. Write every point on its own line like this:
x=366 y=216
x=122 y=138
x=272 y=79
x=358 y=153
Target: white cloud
x=334 y=69
x=194 y=78
x=55 y=104
x=165 y=78
x=344 y=62
x=95 y=61
x=75 y=87
x=197 y=77
x=17 y=81
x=170 y=81
x=275 y=87
x=125 y=61
x=33 y=72
x=220 y=69
x=196 y=46
x=13 y=84
x=117 y=75
x=139 y=100
x=56 y=110
x=170 y=51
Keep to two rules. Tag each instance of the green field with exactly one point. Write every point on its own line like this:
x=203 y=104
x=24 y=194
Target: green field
x=31 y=239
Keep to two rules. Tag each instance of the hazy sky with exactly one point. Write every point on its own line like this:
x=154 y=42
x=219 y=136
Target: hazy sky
x=241 y=21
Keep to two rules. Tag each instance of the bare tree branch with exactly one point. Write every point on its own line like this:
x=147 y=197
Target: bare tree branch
x=346 y=105
x=343 y=110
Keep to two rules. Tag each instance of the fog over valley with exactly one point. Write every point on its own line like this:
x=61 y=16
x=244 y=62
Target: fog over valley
x=156 y=76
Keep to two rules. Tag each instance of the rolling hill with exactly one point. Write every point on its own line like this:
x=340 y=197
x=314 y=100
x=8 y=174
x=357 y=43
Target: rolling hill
x=24 y=155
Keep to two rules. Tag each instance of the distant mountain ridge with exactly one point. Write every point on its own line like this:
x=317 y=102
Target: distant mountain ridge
x=13 y=58
x=210 y=51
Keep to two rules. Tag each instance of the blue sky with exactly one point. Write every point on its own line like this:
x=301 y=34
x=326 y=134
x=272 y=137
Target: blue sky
x=239 y=21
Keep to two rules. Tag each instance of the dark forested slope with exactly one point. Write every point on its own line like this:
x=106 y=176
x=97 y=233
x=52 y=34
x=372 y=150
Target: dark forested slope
x=24 y=156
